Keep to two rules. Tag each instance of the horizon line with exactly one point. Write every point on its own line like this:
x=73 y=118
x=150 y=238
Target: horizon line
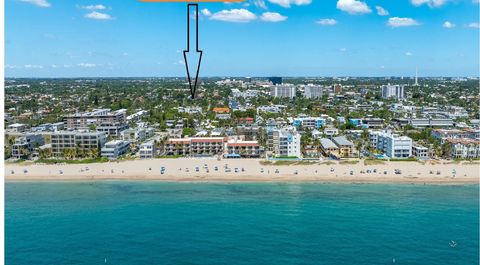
x=244 y=76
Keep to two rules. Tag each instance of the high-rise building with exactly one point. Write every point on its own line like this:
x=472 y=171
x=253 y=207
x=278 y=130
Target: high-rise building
x=313 y=91
x=275 y=80
x=416 y=77
x=393 y=91
x=337 y=88
x=283 y=91
x=284 y=142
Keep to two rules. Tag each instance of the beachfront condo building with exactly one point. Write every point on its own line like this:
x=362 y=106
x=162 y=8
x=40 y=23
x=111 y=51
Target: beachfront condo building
x=148 y=150
x=313 y=91
x=25 y=145
x=393 y=91
x=78 y=142
x=328 y=148
x=284 y=142
x=420 y=152
x=115 y=149
x=240 y=148
x=97 y=117
x=464 y=148
x=195 y=146
x=283 y=91
x=345 y=147
x=392 y=145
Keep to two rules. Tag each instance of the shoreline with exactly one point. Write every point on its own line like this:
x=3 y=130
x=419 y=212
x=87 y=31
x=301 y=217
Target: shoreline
x=248 y=170
x=243 y=181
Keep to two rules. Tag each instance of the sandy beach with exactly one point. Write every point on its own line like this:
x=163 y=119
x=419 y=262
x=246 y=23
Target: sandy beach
x=250 y=170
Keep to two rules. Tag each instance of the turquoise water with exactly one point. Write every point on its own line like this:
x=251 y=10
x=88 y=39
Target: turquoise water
x=193 y=223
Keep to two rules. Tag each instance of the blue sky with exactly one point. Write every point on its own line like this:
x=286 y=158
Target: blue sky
x=58 y=38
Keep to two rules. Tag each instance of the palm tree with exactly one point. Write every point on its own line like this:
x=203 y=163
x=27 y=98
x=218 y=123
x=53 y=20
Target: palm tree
x=95 y=153
x=359 y=147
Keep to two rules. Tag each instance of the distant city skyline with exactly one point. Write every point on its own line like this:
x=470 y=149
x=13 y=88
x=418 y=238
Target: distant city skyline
x=53 y=38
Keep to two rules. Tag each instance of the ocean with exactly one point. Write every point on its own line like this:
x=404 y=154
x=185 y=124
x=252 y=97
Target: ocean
x=121 y=222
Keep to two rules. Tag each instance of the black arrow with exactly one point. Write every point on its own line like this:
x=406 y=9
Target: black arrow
x=197 y=52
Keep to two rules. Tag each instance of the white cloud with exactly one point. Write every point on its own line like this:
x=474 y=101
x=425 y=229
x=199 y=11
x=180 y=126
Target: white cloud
x=430 y=3
x=326 y=22
x=448 y=25
x=272 y=17
x=9 y=66
x=408 y=54
x=381 y=11
x=474 y=25
x=40 y=3
x=206 y=12
x=476 y=1
x=260 y=3
x=32 y=66
x=67 y=66
x=395 y=22
x=94 y=7
x=353 y=7
x=234 y=15
x=288 y=3
x=53 y=66
x=87 y=65
x=343 y=49
x=98 y=16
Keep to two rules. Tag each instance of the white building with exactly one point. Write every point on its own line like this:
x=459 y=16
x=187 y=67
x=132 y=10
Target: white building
x=97 y=117
x=81 y=141
x=420 y=152
x=393 y=145
x=115 y=149
x=284 y=142
x=313 y=91
x=16 y=127
x=134 y=135
x=25 y=145
x=464 y=148
x=271 y=109
x=393 y=91
x=283 y=91
x=148 y=150
x=308 y=122
x=330 y=131
x=137 y=115
x=112 y=129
